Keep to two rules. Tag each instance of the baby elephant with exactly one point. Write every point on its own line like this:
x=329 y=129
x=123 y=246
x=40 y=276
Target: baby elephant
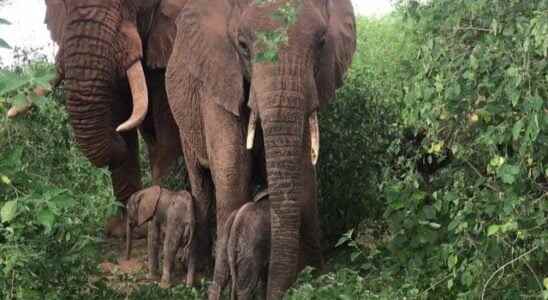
x=162 y=207
x=247 y=250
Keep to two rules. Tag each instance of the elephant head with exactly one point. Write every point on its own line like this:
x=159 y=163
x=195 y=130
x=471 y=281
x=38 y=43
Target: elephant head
x=105 y=46
x=283 y=96
x=141 y=207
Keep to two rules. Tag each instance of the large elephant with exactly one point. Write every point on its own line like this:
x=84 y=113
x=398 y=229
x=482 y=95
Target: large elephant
x=220 y=92
x=112 y=58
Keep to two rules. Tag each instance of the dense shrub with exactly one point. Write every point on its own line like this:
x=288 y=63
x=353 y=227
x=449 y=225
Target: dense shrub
x=51 y=201
x=464 y=177
x=359 y=126
x=479 y=97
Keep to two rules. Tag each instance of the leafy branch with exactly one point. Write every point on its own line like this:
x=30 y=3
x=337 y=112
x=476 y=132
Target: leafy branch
x=270 y=41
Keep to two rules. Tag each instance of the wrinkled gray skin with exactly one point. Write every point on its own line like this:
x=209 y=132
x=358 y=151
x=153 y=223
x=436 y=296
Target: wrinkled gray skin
x=99 y=40
x=163 y=208
x=246 y=250
x=215 y=87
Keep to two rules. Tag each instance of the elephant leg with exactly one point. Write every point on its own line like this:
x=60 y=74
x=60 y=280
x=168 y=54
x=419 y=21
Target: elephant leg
x=202 y=191
x=172 y=241
x=310 y=227
x=230 y=164
x=160 y=130
x=154 y=249
x=221 y=276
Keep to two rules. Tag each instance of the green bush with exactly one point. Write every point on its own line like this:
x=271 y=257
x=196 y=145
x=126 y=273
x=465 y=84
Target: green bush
x=360 y=125
x=51 y=200
x=463 y=185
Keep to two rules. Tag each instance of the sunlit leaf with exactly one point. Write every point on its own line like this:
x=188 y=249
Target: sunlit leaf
x=8 y=211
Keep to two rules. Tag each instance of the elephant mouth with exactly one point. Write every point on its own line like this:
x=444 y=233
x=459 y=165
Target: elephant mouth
x=313 y=126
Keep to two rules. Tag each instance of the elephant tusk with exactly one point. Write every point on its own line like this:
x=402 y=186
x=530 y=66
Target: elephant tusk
x=251 y=130
x=314 y=138
x=139 y=93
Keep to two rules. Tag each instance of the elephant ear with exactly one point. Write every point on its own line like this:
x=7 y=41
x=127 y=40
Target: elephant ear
x=162 y=33
x=148 y=203
x=340 y=45
x=56 y=15
x=205 y=53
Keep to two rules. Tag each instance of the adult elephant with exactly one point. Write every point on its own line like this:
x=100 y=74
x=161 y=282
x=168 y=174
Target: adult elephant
x=220 y=91
x=112 y=58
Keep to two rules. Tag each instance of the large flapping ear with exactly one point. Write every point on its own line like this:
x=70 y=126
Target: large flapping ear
x=204 y=52
x=148 y=204
x=161 y=34
x=56 y=16
x=339 y=48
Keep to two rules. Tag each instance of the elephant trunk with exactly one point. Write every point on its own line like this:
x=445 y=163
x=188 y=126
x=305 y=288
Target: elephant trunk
x=283 y=139
x=90 y=65
x=282 y=118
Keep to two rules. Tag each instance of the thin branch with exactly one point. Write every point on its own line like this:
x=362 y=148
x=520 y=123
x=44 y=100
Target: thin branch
x=473 y=28
x=534 y=275
x=436 y=284
x=503 y=267
x=480 y=175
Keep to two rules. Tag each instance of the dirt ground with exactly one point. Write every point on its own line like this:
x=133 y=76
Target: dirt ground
x=126 y=275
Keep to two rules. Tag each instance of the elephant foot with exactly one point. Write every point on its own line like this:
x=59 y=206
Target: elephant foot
x=165 y=284
x=214 y=292
x=153 y=276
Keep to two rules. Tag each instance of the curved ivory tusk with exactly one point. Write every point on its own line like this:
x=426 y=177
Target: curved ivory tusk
x=314 y=138
x=251 y=130
x=139 y=93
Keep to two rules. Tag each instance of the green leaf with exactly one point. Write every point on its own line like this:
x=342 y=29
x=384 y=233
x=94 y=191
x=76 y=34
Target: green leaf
x=508 y=173
x=450 y=284
x=8 y=211
x=345 y=238
x=355 y=256
x=5 y=179
x=46 y=218
x=452 y=261
x=4 y=44
x=546 y=283
x=516 y=130
x=492 y=230
x=497 y=161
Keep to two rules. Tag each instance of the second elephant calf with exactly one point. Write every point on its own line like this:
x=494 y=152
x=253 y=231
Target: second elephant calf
x=246 y=253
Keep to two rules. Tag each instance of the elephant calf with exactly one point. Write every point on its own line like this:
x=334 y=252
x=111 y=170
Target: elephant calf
x=246 y=250
x=162 y=207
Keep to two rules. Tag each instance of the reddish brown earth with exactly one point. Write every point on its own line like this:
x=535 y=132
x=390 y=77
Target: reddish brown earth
x=127 y=275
